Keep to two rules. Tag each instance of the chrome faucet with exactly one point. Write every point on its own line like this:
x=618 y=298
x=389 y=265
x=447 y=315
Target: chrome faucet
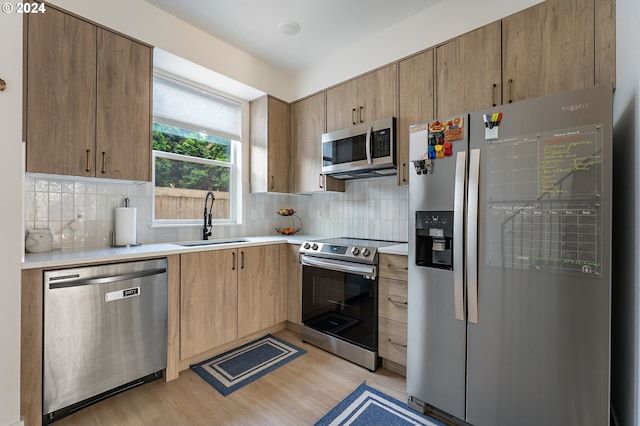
x=206 y=228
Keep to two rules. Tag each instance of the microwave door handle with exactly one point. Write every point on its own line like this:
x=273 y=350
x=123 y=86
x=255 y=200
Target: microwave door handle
x=368 y=144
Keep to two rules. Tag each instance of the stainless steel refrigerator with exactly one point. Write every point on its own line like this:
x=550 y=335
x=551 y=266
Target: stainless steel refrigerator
x=510 y=263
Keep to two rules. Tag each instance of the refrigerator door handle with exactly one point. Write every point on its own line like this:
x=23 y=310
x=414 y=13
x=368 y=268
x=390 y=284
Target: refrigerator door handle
x=472 y=234
x=458 y=235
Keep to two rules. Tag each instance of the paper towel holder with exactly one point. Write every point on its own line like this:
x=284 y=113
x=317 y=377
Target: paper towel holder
x=127 y=201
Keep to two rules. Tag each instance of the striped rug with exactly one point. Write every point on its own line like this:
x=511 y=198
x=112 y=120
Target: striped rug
x=238 y=367
x=366 y=406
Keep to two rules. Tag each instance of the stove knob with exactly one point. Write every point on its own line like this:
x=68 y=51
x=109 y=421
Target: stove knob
x=365 y=252
x=306 y=246
x=314 y=246
x=355 y=251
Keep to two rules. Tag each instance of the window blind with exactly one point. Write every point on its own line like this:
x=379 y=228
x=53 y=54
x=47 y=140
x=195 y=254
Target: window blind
x=197 y=108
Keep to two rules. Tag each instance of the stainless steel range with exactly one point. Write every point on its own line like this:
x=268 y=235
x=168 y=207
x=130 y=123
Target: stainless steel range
x=340 y=297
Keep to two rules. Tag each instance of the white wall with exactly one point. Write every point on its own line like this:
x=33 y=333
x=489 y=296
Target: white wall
x=10 y=215
x=626 y=272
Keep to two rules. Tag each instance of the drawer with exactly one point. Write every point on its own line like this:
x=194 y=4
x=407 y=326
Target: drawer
x=392 y=341
x=393 y=266
x=392 y=299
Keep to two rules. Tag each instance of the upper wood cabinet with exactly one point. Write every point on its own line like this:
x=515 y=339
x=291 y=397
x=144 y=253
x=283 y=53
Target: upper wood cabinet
x=60 y=94
x=548 y=48
x=123 y=127
x=605 y=40
x=88 y=99
x=468 y=72
x=366 y=98
x=415 y=78
x=308 y=117
x=270 y=145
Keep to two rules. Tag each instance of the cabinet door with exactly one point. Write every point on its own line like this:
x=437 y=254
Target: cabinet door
x=342 y=106
x=548 y=48
x=123 y=133
x=605 y=42
x=279 y=147
x=294 y=284
x=261 y=291
x=468 y=72
x=208 y=302
x=270 y=145
x=308 y=127
x=61 y=94
x=415 y=105
x=378 y=94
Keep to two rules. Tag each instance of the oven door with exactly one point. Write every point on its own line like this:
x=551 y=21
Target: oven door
x=341 y=299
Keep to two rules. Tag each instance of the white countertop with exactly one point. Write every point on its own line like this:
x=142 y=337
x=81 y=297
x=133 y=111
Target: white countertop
x=58 y=258
x=400 y=249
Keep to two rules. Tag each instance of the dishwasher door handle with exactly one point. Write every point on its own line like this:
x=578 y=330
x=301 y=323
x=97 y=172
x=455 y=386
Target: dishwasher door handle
x=102 y=280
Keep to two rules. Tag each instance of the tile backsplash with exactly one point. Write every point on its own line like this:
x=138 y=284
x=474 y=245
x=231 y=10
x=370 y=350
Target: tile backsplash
x=375 y=208
x=80 y=212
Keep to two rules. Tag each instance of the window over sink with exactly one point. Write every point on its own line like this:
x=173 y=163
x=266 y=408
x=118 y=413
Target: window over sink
x=196 y=149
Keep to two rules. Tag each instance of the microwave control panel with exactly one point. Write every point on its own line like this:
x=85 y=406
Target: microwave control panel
x=381 y=143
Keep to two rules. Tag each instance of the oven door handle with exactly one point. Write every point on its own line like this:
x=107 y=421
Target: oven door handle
x=340 y=266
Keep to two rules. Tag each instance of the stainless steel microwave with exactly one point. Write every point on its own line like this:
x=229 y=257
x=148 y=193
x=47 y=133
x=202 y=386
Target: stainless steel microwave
x=364 y=150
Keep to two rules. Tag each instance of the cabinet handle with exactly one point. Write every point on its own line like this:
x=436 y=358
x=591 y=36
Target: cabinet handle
x=353 y=116
x=233 y=254
x=397 y=302
x=510 y=81
x=404 y=172
x=493 y=94
x=88 y=169
x=397 y=344
x=361 y=120
x=320 y=179
x=400 y=268
x=242 y=260
x=273 y=183
x=104 y=161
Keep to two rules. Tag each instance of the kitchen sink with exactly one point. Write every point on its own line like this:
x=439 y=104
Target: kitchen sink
x=208 y=242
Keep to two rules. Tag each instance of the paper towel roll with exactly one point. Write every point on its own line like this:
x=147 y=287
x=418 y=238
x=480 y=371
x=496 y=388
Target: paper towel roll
x=125 y=226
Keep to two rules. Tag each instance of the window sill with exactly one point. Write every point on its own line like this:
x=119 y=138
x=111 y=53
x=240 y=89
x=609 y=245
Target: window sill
x=160 y=225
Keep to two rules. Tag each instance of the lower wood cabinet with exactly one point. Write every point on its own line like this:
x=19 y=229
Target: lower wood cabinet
x=208 y=300
x=262 y=295
x=229 y=294
x=392 y=309
x=294 y=284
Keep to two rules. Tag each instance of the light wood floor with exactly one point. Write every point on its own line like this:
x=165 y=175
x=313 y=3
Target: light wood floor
x=298 y=393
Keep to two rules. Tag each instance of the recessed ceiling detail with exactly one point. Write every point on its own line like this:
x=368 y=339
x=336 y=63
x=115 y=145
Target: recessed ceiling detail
x=289 y=28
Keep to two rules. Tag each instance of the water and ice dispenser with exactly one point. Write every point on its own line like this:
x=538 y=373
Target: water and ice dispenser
x=434 y=239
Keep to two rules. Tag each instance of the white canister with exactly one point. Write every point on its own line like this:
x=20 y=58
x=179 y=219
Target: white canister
x=38 y=240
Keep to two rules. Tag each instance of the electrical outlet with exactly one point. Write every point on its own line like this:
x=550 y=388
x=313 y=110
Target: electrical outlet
x=254 y=215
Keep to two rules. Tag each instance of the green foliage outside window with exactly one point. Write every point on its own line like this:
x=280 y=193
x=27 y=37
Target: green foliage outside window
x=183 y=174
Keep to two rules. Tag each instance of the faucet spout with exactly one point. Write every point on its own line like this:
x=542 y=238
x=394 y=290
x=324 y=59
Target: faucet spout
x=206 y=227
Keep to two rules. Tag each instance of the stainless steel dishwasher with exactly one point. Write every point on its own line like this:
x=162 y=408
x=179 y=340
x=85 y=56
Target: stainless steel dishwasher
x=105 y=331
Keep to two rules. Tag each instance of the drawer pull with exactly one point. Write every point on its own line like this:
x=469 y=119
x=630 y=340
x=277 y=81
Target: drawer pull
x=397 y=302
x=397 y=344
x=402 y=268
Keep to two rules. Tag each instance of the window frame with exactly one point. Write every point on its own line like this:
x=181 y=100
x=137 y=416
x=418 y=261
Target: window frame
x=235 y=163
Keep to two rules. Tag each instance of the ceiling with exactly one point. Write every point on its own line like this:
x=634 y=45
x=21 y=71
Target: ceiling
x=327 y=26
